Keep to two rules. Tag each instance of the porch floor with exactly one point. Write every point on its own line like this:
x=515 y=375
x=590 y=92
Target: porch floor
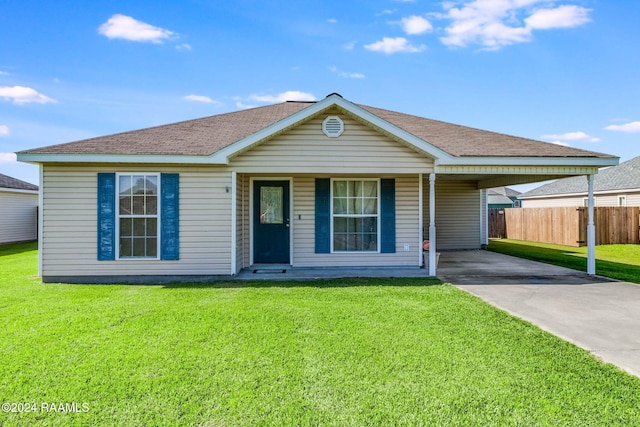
x=287 y=272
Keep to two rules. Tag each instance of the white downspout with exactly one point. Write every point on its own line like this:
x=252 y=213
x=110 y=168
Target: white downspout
x=591 y=232
x=432 y=224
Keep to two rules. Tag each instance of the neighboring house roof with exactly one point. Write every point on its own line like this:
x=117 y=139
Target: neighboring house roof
x=210 y=135
x=622 y=177
x=504 y=191
x=16 y=184
x=498 y=199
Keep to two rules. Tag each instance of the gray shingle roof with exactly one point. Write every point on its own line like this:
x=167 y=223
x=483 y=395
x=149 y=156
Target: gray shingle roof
x=206 y=136
x=505 y=191
x=624 y=176
x=498 y=199
x=16 y=184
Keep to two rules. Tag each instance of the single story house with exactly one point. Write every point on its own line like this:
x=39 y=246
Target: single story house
x=305 y=184
x=614 y=186
x=503 y=197
x=18 y=210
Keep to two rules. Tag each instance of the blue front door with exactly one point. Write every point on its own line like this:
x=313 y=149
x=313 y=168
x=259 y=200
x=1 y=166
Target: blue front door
x=271 y=222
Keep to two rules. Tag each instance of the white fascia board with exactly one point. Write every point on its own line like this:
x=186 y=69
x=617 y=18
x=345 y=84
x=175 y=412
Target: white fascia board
x=113 y=158
x=18 y=190
x=530 y=161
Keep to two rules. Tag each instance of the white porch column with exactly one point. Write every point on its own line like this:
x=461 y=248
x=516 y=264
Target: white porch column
x=591 y=232
x=432 y=224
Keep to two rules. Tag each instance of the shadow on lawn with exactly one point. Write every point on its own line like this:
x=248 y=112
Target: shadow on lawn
x=568 y=258
x=17 y=248
x=349 y=282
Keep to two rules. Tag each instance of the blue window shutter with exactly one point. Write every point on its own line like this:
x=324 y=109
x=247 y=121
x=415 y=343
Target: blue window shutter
x=169 y=216
x=323 y=215
x=388 y=213
x=106 y=216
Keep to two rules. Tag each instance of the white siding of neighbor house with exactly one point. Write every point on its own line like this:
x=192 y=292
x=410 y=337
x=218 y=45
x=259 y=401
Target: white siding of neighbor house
x=18 y=217
x=70 y=223
x=608 y=199
x=306 y=149
x=458 y=216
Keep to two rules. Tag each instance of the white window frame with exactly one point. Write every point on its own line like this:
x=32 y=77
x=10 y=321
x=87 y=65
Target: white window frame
x=118 y=216
x=622 y=200
x=378 y=216
x=585 y=202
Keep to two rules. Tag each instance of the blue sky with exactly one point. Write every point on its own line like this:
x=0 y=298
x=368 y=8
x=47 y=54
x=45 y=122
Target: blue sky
x=561 y=71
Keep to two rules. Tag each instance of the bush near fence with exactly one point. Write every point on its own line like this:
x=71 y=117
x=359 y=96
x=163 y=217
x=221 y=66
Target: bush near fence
x=566 y=225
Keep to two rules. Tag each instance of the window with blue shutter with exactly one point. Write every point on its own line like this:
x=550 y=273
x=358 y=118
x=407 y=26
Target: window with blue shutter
x=355 y=207
x=135 y=220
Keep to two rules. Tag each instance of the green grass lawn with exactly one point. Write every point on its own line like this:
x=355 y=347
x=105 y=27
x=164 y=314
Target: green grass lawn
x=620 y=262
x=356 y=352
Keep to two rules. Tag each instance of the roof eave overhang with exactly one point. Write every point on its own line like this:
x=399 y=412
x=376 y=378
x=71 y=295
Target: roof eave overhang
x=38 y=158
x=597 y=162
x=18 y=190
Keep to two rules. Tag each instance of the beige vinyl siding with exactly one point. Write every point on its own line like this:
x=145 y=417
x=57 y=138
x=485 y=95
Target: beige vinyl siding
x=303 y=226
x=18 y=217
x=70 y=221
x=606 y=199
x=458 y=218
x=305 y=149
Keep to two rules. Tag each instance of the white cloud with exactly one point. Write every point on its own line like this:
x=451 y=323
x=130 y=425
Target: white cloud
x=572 y=136
x=184 y=46
x=416 y=25
x=200 y=98
x=4 y=130
x=349 y=45
x=564 y=144
x=347 y=75
x=244 y=106
x=24 y=95
x=494 y=24
x=292 y=95
x=3 y=73
x=390 y=45
x=8 y=158
x=631 y=127
x=332 y=21
x=565 y=16
x=128 y=28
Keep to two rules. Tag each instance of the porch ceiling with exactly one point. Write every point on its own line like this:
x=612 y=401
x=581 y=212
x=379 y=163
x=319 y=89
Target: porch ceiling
x=498 y=180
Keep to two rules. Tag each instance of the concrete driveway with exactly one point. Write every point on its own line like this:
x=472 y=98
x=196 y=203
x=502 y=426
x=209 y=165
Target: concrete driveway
x=598 y=314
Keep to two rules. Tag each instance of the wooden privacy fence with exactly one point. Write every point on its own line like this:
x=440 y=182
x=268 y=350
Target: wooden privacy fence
x=566 y=226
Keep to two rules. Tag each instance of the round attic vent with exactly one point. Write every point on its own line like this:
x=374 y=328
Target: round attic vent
x=333 y=126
